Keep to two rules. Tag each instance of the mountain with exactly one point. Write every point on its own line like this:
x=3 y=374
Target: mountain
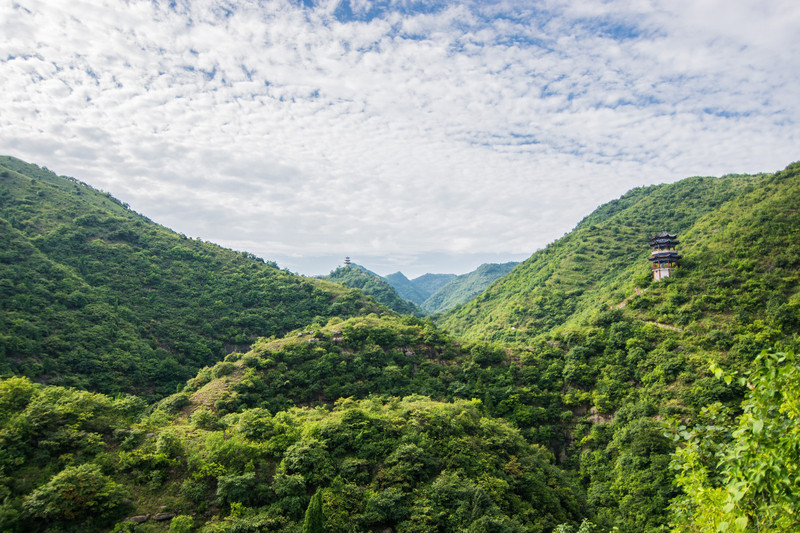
x=99 y=297
x=575 y=393
x=428 y=284
x=603 y=260
x=435 y=293
x=463 y=288
x=405 y=288
x=419 y=289
x=633 y=359
x=371 y=284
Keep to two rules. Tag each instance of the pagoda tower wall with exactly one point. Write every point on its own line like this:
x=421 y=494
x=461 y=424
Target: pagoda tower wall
x=664 y=257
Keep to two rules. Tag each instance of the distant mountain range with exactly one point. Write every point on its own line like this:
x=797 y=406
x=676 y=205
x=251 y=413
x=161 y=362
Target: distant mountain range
x=427 y=294
x=463 y=288
x=419 y=289
x=437 y=293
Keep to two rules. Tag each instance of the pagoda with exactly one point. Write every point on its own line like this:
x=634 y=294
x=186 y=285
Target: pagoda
x=664 y=257
x=347 y=261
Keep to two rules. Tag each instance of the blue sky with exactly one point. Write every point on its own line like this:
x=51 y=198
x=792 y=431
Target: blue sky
x=420 y=136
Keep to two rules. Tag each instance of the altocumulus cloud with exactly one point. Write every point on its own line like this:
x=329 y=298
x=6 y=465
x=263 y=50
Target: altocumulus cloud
x=400 y=133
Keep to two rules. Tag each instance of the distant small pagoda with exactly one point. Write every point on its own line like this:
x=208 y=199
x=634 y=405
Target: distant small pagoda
x=347 y=261
x=664 y=257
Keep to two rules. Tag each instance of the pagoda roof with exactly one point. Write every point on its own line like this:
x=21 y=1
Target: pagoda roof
x=665 y=257
x=663 y=240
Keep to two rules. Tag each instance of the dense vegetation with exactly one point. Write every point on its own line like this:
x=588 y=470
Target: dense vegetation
x=635 y=353
x=96 y=296
x=408 y=464
x=573 y=390
x=742 y=475
x=371 y=284
x=602 y=260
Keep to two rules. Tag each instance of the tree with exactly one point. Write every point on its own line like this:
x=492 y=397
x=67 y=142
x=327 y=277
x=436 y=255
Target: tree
x=314 y=519
x=753 y=482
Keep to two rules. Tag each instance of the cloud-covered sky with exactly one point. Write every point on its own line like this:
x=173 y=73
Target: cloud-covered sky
x=410 y=135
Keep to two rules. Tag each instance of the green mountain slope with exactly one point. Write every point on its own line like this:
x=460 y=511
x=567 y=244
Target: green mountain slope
x=419 y=289
x=430 y=283
x=626 y=354
x=465 y=287
x=600 y=262
x=371 y=284
x=99 y=297
x=405 y=288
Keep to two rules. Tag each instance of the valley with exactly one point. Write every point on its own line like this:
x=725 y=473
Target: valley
x=153 y=382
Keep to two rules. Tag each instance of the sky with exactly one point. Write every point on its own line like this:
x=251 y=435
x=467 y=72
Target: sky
x=419 y=136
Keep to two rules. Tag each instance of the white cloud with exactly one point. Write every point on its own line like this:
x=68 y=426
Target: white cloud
x=467 y=128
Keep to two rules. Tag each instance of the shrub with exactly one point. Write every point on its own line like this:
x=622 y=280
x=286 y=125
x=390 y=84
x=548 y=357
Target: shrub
x=225 y=368
x=75 y=493
x=204 y=419
x=173 y=404
x=181 y=524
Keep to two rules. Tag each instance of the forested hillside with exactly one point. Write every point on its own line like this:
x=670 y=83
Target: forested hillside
x=407 y=465
x=371 y=284
x=96 y=296
x=628 y=353
x=575 y=390
x=724 y=224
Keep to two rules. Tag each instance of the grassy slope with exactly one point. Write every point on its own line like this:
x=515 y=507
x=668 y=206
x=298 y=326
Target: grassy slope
x=100 y=297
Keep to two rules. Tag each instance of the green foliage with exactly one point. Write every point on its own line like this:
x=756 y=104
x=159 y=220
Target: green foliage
x=173 y=404
x=75 y=494
x=314 y=521
x=96 y=296
x=204 y=419
x=561 y=368
x=181 y=524
x=744 y=475
x=629 y=351
x=400 y=463
x=739 y=239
